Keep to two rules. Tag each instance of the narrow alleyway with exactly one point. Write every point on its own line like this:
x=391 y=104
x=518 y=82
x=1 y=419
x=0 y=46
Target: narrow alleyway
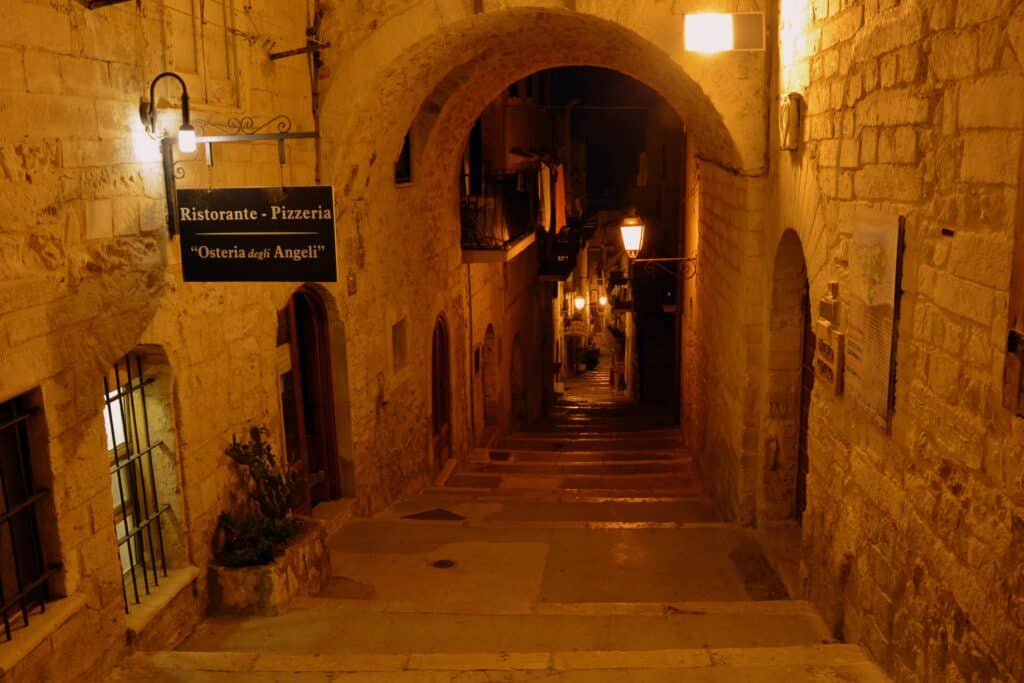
x=581 y=550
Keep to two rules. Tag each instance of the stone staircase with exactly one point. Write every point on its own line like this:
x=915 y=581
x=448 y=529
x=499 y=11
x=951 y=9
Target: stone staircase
x=580 y=550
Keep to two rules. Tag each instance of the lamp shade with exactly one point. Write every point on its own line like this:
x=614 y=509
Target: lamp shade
x=632 y=235
x=187 y=139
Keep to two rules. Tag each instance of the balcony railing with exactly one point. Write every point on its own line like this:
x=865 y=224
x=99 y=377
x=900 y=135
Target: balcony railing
x=497 y=218
x=559 y=253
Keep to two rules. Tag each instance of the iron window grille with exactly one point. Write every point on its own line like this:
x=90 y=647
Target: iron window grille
x=24 y=575
x=137 y=508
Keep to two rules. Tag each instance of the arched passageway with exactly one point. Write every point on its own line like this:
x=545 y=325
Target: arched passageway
x=791 y=380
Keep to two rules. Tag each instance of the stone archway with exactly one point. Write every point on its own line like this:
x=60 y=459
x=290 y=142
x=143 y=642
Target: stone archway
x=783 y=471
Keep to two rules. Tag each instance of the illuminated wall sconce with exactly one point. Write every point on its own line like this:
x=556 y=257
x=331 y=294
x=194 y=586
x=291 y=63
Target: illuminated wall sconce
x=603 y=300
x=186 y=136
x=719 y=32
x=709 y=33
x=580 y=303
x=632 y=230
x=789 y=121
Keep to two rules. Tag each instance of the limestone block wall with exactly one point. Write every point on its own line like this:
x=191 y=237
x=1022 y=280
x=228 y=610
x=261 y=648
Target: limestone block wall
x=913 y=538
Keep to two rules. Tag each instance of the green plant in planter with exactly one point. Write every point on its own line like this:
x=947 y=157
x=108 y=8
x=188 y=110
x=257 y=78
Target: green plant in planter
x=259 y=535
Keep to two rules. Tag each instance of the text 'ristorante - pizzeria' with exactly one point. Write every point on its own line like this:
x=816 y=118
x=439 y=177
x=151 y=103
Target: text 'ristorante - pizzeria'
x=276 y=213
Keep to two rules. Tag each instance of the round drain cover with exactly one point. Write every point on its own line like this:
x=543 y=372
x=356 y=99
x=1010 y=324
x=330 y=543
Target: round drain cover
x=444 y=564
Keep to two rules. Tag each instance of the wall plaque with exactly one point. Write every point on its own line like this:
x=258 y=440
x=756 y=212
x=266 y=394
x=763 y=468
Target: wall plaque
x=829 y=355
x=258 y=234
x=875 y=262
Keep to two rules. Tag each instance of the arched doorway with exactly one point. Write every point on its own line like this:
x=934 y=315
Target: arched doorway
x=440 y=394
x=308 y=397
x=490 y=377
x=518 y=383
x=791 y=382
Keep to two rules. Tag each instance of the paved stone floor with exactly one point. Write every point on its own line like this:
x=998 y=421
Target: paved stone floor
x=580 y=550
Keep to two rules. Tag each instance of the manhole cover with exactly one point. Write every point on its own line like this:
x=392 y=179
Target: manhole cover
x=444 y=564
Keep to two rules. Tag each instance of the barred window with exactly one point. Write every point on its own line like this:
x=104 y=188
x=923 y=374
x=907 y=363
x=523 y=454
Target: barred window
x=143 y=481
x=24 y=573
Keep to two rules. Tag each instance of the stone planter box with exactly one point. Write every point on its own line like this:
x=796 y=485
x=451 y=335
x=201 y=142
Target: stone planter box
x=303 y=569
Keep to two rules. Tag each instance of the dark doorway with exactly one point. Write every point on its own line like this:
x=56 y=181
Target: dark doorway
x=806 y=387
x=308 y=398
x=441 y=395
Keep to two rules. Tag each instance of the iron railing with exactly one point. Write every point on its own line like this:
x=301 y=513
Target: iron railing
x=136 y=504
x=499 y=215
x=24 y=575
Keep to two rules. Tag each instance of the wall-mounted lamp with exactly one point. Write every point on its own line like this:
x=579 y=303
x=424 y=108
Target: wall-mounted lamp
x=186 y=133
x=603 y=300
x=580 y=303
x=633 y=240
x=632 y=230
x=709 y=33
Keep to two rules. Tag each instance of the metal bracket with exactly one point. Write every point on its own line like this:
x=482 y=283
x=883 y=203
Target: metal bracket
x=241 y=129
x=686 y=271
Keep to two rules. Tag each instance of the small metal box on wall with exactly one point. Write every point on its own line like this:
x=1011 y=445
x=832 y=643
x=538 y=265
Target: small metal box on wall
x=829 y=355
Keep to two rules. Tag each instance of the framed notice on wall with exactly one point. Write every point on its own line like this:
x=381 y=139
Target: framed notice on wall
x=258 y=234
x=872 y=311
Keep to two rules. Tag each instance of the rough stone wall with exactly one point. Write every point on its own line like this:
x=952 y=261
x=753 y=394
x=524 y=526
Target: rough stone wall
x=913 y=539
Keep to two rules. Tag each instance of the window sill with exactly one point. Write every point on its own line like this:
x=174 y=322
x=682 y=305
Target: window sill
x=40 y=627
x=142 y=615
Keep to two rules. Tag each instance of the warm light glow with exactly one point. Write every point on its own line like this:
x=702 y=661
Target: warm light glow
x=186 y=139
x=603 y=300
x=632 y=235
x=709 y=33
x=580 y=303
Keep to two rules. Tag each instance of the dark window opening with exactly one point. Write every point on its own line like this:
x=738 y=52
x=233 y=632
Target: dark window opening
x=24 y=574
x=403 y=167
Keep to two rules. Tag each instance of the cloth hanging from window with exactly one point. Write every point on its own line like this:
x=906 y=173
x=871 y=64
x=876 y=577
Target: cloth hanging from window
x=559 y=197
x=545 y=197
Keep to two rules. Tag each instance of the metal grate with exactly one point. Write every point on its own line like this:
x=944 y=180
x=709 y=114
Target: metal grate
x=23 y=573
x=137 y=509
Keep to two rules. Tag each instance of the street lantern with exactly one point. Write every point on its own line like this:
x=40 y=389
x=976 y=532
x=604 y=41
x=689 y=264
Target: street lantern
x=580 y=303
x=632 y=233
x=186 y=137
x=603 y=300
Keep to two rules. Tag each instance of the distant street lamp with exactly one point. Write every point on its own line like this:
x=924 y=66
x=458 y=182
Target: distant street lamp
x=603 y=300
x=580 y=303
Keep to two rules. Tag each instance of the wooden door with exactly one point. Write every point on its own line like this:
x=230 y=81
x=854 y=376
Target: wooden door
x=441 y=395
x=806 y=387
x=309 y=400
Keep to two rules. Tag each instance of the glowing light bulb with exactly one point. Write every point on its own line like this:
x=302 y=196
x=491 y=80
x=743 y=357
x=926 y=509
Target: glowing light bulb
x=187 y=139
x=603 y=300
x=580 y=303
x=709 y=33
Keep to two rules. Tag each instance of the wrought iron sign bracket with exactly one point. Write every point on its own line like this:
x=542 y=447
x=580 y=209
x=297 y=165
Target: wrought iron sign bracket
x=243 y=129
x=686 y=270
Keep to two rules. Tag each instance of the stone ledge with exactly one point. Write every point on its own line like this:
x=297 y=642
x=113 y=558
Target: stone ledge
x=40 y=627
x=141 y=616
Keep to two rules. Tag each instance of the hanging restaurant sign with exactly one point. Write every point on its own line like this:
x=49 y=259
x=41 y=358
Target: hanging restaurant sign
x=258 y=234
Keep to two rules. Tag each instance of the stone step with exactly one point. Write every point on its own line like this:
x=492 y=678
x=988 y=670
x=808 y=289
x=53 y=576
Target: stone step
x=639 y=441
x=701 y=665
x=571 y=495
x=332 y=626
x=577 y=467
x=517 y=455
x=465 y=509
